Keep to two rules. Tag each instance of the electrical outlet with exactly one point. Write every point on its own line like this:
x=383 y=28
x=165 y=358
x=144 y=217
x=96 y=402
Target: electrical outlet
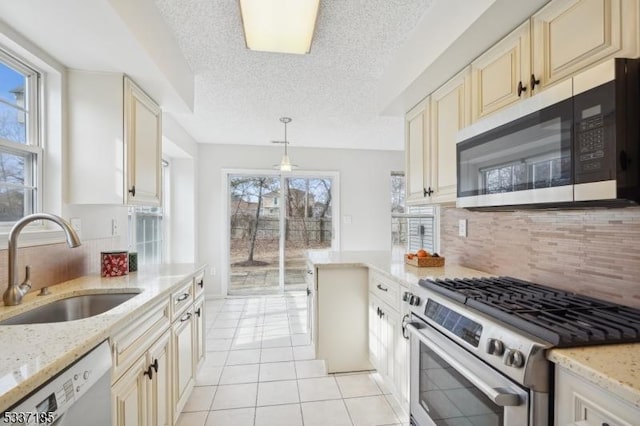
x=114 y=227
x=212 y=271
x=462 y=227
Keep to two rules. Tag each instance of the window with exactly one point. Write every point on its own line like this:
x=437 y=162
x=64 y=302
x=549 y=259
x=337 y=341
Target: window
x=413 y=227
x=20 y=151
x=146 y=228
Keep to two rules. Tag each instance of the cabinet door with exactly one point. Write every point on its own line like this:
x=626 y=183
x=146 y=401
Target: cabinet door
x=182 y=346
x=500 y=76
x=198 y=333
x=417 y=151
x=401 y=359
x=159 y=386
x=129 y=396
x=568 y=35
x=374 y=334
x=390 y=324
x=450 y=112
x=143 y=140
x=580 y=402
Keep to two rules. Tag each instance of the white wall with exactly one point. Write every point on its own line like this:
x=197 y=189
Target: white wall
x=182 y=229
x=364 y=194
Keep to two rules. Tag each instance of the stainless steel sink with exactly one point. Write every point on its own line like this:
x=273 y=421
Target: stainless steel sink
x=70 y=308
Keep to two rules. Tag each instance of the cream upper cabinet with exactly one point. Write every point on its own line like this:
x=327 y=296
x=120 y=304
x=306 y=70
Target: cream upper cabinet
x=450 y=112
x=501 y=75
x=143 y=141
x=115 y=137
x=568 y=35
x=417 y=152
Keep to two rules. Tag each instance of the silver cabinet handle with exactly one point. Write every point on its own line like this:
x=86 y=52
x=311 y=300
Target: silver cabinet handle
x=500 y=396
x=382 y=288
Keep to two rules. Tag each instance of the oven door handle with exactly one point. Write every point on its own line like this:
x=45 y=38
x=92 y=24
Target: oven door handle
x=499 y=396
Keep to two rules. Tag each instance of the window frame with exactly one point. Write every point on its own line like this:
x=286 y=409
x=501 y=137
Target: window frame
x=413 y=211
x=35 y=116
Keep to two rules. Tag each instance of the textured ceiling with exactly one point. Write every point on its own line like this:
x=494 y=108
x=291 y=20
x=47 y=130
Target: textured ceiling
x=330 y=93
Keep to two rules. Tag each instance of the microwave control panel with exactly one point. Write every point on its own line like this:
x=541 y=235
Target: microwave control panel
x=591 y=143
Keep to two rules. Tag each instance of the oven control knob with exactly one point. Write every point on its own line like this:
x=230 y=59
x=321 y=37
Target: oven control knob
x=406 y=296
x=495 y=347
x=414 y=300
x=514 y=358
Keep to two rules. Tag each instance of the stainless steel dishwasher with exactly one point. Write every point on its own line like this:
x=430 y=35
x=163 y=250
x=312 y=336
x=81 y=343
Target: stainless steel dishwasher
x=77 y=396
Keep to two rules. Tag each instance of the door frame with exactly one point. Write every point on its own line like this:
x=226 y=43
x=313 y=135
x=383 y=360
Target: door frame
x=225 y=242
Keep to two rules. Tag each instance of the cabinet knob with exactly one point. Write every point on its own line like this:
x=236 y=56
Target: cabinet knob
x=149 y=372
x=155 y=365
x=521 y=88
x=132 y=191
x=534 y=81
x=198 y=312
x=427 y=192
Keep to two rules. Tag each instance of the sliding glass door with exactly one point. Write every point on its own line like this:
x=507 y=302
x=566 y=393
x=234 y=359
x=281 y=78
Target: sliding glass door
x=273 y=220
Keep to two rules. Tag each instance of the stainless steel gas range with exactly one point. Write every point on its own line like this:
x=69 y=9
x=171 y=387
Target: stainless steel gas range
x=478 y=347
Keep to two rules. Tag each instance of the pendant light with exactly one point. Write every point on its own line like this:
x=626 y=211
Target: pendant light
x=285 y=164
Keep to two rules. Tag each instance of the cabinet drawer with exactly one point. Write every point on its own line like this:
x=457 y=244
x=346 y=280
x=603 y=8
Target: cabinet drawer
x=181 y=299
x=132 y=341
x=198 y=285
x=385 y=289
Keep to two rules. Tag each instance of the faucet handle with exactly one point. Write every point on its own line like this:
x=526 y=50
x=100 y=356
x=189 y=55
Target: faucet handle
x=26 y=284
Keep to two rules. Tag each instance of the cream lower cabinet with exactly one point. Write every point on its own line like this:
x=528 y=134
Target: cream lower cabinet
x=579 y=402
x=402 y=355
x=198 y=333
x=383 y=324
x=569 y=35
x=388 y=349
x=182 y=332
x=155 y=359
x=142 y=395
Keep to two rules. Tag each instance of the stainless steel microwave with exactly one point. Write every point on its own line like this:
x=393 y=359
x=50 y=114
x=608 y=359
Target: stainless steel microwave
x=576 y=143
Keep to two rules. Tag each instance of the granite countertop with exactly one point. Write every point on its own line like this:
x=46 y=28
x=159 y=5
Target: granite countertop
x=390 y=263
x=615 y=368
x=31 y=354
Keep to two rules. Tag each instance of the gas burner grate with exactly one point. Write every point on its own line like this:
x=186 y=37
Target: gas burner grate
x=560 y=318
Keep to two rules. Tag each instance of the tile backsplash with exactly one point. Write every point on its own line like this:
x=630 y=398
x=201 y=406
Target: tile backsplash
x=595 y=252
x=55 y=263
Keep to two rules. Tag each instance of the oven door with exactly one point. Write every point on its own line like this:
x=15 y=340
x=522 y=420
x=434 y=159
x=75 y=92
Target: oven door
x=450 y=386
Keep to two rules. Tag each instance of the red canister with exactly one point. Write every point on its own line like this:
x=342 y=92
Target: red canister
x=114 y=263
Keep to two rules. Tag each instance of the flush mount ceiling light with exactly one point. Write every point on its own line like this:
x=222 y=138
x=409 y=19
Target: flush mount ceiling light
x=285 y=165
x=283 y=26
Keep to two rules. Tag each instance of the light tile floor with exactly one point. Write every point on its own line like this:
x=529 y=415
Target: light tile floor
x=260 y=371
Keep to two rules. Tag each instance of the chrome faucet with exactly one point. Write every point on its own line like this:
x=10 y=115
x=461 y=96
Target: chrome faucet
x=15 y=292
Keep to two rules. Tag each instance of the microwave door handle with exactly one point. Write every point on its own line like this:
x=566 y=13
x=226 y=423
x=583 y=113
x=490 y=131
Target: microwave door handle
x=500 y=396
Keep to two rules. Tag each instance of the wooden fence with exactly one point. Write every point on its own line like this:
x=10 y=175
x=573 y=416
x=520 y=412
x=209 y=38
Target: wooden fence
x=308 y=230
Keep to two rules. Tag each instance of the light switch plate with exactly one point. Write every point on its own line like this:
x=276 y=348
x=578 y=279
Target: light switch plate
x=462 y=227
